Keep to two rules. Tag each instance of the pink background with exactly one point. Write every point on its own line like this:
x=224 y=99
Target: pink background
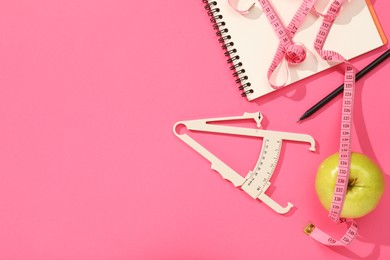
x=90 y=167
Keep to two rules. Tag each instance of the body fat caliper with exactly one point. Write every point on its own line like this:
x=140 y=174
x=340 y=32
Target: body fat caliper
x=257 y=180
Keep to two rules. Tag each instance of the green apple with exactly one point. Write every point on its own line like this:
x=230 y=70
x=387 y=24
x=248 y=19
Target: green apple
x=365 y=186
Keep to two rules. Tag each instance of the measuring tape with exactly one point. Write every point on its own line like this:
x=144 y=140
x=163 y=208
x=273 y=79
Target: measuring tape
x=343 y=169
x=257 y=181
x=345 y=136
x=295 y=53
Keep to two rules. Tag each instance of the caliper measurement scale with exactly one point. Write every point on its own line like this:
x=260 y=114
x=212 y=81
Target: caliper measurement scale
x=257 y=181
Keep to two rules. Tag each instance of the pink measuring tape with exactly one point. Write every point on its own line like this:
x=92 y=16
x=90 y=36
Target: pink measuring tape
x=345 y=136
x=295 y=53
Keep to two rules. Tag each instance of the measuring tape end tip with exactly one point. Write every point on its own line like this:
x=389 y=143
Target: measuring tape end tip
x=309 y=228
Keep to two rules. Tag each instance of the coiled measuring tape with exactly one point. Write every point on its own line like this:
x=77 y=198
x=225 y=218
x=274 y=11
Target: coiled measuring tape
x=295 y=53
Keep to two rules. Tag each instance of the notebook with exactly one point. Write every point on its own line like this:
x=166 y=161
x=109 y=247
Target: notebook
x=250 y=43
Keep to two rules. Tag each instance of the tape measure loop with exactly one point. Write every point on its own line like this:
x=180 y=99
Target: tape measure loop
x=327 y=17
x=295 y=53
x=324 y=238
x=289 y=51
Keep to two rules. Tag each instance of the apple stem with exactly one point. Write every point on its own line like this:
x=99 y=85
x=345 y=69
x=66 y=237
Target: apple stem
x=352 y=182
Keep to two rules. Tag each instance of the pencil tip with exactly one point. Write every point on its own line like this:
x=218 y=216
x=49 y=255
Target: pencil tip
x=302 y=118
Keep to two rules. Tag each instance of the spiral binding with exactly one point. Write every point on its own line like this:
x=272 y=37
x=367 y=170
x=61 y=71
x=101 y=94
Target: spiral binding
x=228 y=45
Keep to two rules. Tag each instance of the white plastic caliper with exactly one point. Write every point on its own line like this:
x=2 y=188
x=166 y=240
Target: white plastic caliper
x=257 y=181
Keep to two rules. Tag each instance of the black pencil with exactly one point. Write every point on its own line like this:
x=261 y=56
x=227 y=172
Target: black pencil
x=340 y=89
